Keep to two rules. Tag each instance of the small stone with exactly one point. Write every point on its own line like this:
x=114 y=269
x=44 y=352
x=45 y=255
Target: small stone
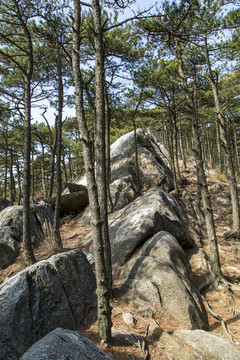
x=154 y=328
x=129 y=319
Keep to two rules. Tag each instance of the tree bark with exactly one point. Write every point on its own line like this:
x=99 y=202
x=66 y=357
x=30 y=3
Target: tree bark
x=227 y=149
x=103 y=293
x=207 y=206
x=56 y=222
x=27 y=245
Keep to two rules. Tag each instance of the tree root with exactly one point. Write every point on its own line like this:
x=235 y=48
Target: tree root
x=232 y=234
x=219 y=318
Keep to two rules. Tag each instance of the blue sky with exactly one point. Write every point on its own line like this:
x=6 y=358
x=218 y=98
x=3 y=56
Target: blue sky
x=68 y=112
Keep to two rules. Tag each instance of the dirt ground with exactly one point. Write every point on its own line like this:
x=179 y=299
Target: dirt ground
x=224 y=302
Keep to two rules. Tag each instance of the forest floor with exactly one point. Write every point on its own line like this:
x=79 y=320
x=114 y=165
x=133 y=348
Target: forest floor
x=224 y=303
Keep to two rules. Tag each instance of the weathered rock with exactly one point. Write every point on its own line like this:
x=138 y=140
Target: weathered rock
x=159 y=281
x=85 y=219
x=174 y=349
x=122 y=191
x=74 y=201
x=45 y=217
x=49 y=294
x=137 y=222
x=73 y=187
x=4 y=203
x=120 y=338
x=152 y=169
x=208 y=345
x=11 y=229
x=8 y=247
x=200 y=262
x=12 y=216
x=129 y=319
x=61 y=344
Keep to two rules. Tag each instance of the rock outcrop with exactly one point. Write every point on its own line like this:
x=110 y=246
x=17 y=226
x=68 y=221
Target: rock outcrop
x=158 y=281
x=8 y=247
x=11 y=229
x=133 y=225
x=4 y=203
x=125 y=185
x=49 y=294
x=71 y=201
x=207 y=345
x=61 y=344
x=152 y=169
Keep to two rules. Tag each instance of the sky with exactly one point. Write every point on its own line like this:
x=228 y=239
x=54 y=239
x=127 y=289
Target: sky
x=70 y=112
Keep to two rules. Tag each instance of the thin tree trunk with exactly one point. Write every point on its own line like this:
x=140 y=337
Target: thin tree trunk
x=103 y=293
x=182 y=153
x=56 y=222
x=27 y=245
x=227 y=149
x=19 y=181
x=207 y=206
x=108 y=160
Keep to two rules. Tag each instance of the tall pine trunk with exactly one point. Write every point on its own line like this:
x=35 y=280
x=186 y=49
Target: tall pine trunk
x=207 y=206
x=227 y=149
x=103 y=293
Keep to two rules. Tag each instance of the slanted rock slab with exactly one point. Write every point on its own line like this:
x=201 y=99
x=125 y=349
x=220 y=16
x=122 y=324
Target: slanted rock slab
x=62 y=344
x=159 y=281
x=132 y=226
x=208 y=345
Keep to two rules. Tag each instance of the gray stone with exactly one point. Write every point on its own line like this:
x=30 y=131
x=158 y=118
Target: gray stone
x=45 y=217
x=120 y=338
x=208 y=345
x=73 y=187
x=49 y=294
x=159 y=281
x=122 y=191
x=85 y=219
x=61 y=344
x=9 y=249
x=129 y=319
x=69 y=202
x=152 y=168
x=16 y=224
x=4 y=203
x=132 y=226
x=174 y=349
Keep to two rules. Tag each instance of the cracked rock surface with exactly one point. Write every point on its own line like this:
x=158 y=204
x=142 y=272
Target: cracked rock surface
x=41 y=298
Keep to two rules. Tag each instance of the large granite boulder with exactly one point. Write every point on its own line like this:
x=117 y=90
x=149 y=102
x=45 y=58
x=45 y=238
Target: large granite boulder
x=49 y=294
x=130 y=227
x=207 y=345
x=77 y=200
x=8 y=247
x=152 y=168
x=11 y=229
x=70 y=188
x=159 y=281
x=153 y=171
x=61 y=344
x=4 y=203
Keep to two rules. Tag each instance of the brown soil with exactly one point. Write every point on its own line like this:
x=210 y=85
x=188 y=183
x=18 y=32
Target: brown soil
x=222 y=301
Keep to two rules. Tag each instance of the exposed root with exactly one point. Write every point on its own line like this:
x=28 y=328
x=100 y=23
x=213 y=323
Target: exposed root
x=219 y=318
x=232 y=235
